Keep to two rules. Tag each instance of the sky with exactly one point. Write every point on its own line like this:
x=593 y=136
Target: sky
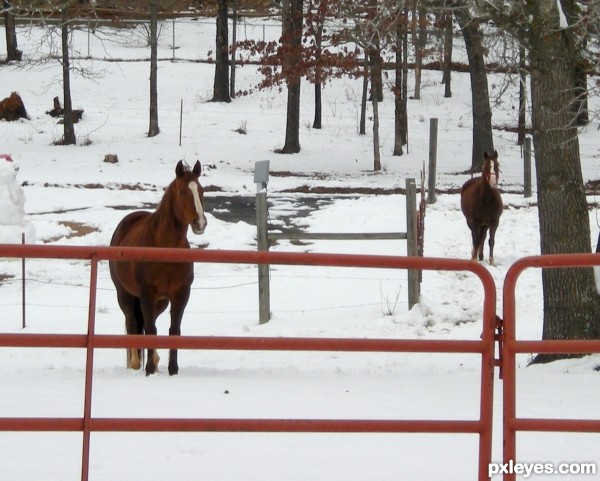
x=72 y=197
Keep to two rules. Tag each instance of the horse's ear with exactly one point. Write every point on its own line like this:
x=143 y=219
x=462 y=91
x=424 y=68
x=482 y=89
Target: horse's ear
x=197 y=169
x=486 y=155
x=495 y=154
x=180 y=169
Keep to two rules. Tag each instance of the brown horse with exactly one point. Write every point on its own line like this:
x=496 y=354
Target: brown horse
x=12 y=108
x=144 y=289
x=482 y=206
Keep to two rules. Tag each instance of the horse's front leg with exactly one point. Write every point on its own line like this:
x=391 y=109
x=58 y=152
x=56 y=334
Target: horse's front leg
x=178 y=304
x=474 y=240
x=482 y=236
x=149 y=314
x=492 y=242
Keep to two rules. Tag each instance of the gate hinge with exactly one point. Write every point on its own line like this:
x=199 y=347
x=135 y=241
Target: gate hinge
x=499 y=338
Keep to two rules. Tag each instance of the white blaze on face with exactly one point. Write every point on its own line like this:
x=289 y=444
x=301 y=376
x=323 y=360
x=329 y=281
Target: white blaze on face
x=199 y=226
x=493 y=178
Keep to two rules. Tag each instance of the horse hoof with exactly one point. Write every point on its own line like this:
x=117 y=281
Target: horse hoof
x=173 y=372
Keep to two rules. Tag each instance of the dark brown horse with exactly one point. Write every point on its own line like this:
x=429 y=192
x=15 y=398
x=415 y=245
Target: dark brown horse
x=144 y=289
x=12 y=108
x=482 y=206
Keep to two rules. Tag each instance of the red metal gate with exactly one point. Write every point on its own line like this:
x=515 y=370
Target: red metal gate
x=512 y=347
x=90 y=341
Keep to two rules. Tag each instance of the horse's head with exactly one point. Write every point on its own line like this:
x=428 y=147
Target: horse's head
x=188 y=197
x=491 y=168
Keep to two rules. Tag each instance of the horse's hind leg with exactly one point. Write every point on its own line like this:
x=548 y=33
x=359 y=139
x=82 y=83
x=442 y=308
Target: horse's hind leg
x=133 y=324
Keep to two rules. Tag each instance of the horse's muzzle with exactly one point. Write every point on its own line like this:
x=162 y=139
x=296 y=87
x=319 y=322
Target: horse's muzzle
x=198 y=225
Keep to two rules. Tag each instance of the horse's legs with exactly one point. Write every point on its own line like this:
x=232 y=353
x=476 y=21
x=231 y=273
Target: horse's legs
x=133 y=323
x=474 y=239
x=178 y=304
x=492 y=242
x=482 y=235
x=148 y=308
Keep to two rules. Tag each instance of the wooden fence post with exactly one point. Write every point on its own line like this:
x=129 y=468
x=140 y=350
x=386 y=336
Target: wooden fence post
x=433 y=133
x=262 y=239
x=527 y=167
x=412 y=248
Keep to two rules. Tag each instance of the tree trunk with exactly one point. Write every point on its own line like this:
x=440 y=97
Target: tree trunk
x=234 y=17
x=373 y=51
x=376 y=150
x=448 y=43
x=292 y=40
x=521 y=128
x=318 y=106
x=398 y=101
x=221 y=82
x=153 y=129
x=482 y=113
x=571 y=303
x=375 y=103
x=363 y=101
x=320 y=20
x=405 y=79
x=68 y=127
x=12 y=51
x=418 y=58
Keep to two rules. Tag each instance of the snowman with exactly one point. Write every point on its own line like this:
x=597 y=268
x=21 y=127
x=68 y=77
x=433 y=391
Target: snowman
x=12 y=206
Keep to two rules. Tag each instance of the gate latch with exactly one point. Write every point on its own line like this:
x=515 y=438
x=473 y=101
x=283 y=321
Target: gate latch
x=499 y=338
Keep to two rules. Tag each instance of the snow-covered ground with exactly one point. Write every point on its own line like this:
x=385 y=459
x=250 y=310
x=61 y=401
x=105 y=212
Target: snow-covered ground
x=74 y=198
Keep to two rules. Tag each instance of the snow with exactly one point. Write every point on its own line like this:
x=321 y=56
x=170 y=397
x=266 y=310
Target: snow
x=74 y=198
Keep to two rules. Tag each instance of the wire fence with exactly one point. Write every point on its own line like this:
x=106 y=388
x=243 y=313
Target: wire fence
x=180 y=39
x=206 y=283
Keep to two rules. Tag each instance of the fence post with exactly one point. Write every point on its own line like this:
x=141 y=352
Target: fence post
x=433 y=133
x=527 y=168
x=412 y=248
x=261 y=178
x=264 y=303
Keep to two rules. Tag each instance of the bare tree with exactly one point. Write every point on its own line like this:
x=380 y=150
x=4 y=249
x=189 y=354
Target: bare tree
x=291 y=40
x=68 y=127
x=153 y=129
x=419 y=37
x=12 y=50
x=372 y=27
x=480 y=99
x=234 y=19
x=400 y=107
x=221 y=82
x=448 y=33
